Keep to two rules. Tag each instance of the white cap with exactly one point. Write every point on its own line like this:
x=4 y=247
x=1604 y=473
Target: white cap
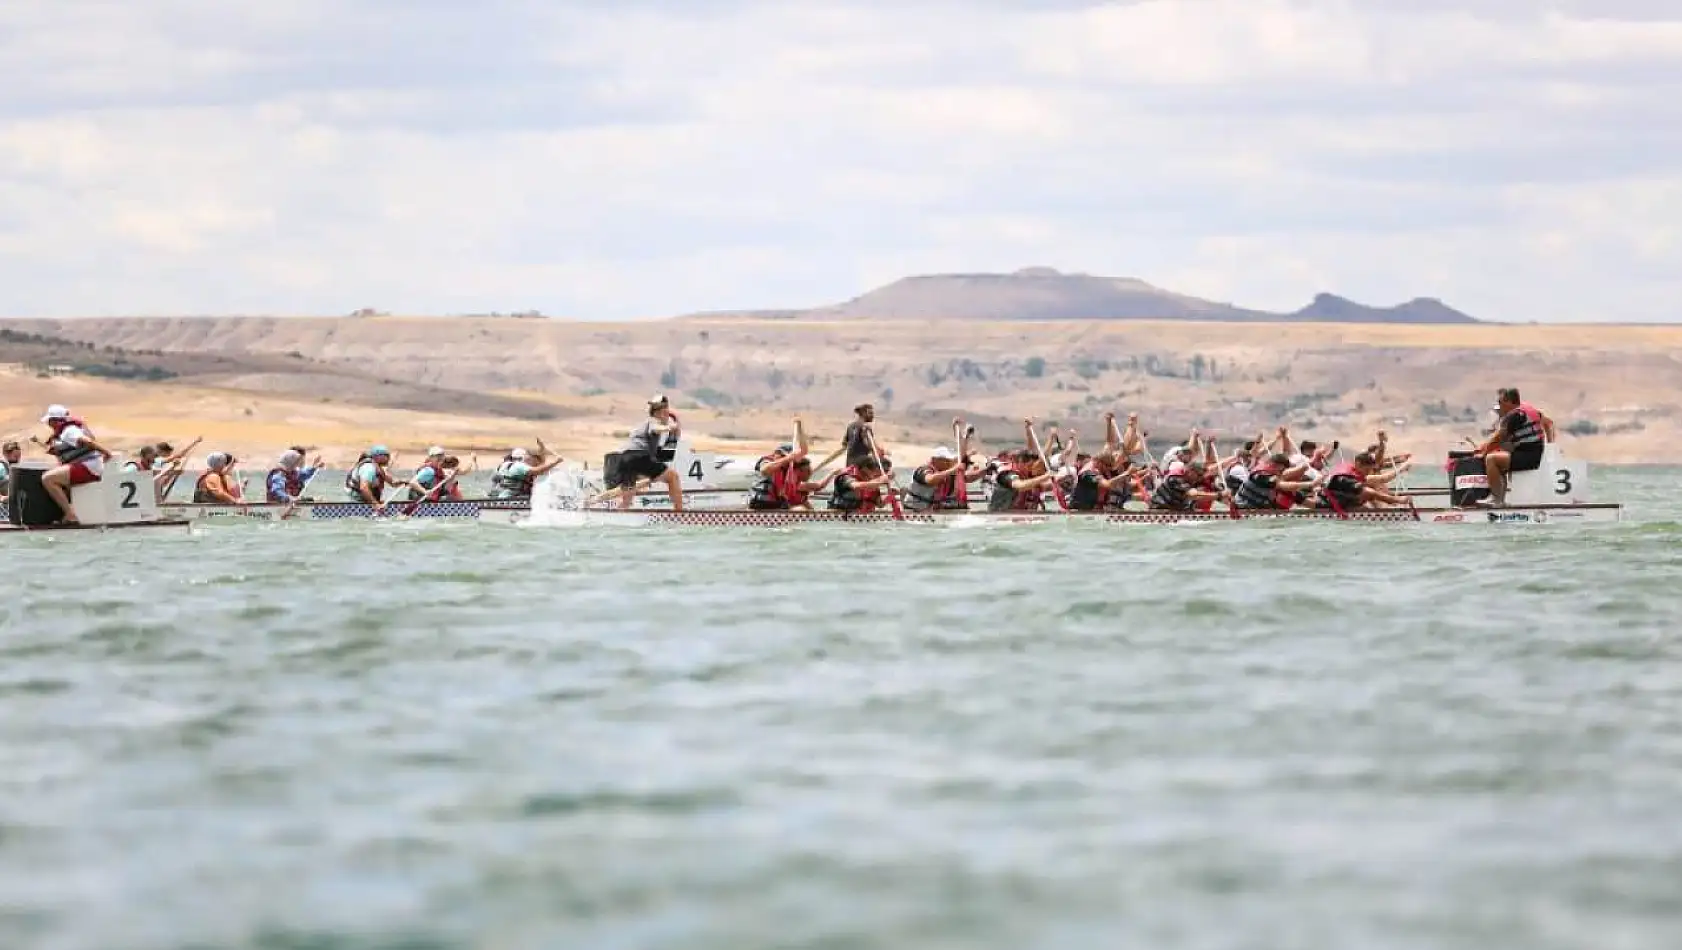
x=55 y=412
x=215 y=458
x=435 y=450
x=290 y=457
x=658 y=399
x=945 y=454
x=517 y=453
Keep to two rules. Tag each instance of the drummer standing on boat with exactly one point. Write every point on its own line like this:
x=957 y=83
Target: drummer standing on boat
x=1516 y=445
x=645 y=454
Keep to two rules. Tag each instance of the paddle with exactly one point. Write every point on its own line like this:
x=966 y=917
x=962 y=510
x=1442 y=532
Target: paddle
x=292 y=506
x=893 y=493
x=432 y=495
x=963 y=483
x=1056 y=489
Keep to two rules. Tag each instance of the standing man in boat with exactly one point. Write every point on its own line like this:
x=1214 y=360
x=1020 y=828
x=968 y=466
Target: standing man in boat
x=860 y=434
x=10 y=454
x=644 y=455
x=81 y=460
x=1515 y=446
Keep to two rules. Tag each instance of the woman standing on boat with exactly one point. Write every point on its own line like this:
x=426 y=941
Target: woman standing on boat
x=645 y=455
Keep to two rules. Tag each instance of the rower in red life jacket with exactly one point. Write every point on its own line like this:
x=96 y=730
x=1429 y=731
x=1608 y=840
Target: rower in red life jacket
x=1178 y=489
x=1346 y=486
x=1268 y=485
x=858 y=489
x=1020 y=483
x=1096 y=485
x=1516 y=445
x=81 y=460
x=934 y=487
x=286 y=481
x=427 y=483
x=771 y=483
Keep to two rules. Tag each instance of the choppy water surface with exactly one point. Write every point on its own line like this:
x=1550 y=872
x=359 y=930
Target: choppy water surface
x=441 y=736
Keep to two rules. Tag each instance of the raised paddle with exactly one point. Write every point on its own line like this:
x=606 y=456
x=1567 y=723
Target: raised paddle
x=1056 y=489
x=963 y=464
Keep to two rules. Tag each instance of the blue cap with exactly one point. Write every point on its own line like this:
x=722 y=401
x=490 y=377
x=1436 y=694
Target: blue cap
x=379 y=450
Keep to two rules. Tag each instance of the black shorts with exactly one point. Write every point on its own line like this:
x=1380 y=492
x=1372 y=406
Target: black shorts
x=1527 y=457
x=622 y=470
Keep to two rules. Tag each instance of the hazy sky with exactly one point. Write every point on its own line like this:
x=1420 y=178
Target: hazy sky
x=1521 y=159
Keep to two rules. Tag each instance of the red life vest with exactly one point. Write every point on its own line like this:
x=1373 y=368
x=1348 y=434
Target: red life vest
x=1344 y=472
x=788 y=487
x=294 y=483
x=1532 y=431
x=868 y=498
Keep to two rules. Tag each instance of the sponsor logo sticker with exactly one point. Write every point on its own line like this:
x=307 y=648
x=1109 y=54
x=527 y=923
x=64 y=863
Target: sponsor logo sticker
x=1509 y=517
x=1471 y=481
x=1454 y=518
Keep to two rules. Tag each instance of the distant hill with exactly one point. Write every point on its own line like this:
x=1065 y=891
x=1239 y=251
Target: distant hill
x=1041 y=293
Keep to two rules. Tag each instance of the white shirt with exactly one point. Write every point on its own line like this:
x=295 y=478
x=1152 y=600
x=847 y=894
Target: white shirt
x=1312 y=474
x=1238 y=471
x=95 y=463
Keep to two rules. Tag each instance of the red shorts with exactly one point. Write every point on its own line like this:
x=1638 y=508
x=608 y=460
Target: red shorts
x=80 y=474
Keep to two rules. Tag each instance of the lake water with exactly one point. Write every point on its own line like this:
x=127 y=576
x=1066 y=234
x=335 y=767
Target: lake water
x=329 y=735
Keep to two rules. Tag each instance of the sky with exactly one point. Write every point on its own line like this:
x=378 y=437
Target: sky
x=1519 y=159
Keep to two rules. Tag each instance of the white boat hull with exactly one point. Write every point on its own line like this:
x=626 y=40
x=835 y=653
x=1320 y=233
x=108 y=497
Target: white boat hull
x=1534 y=515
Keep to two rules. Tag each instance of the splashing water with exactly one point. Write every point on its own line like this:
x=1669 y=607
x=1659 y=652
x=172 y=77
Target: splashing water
x=559 y=496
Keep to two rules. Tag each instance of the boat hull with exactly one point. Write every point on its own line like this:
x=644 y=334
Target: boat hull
x=341 y=511
x=170 y=526
x=1534 y=515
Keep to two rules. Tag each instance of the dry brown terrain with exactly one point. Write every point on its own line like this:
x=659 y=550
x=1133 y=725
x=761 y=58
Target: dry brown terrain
x=342 y=382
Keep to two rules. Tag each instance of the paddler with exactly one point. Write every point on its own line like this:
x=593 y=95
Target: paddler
x=1020 y=480
x=643 y=455
x=1347 y=487
x=934 y=486
x=369 y=478
x=499 y=475
x=285 y=482
x=217 y=486
x=858 y=488
x=1516 y=445
x=81 y=459
x=145 y=461
x=429 y=475
x=1177 y=489
x=859 y=435
x=10 y=454
x=520 y=477
x=776 y=476
x=1098 y=482
x=1268 y=486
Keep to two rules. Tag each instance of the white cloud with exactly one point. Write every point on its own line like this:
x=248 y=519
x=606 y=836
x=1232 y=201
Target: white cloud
x=1518 y=159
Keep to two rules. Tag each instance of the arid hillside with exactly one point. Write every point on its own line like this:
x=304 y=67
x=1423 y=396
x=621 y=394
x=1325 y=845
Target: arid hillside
x=1615 y=389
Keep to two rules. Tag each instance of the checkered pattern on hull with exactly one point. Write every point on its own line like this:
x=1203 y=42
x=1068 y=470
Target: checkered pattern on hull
x=774 y=519
x=339 y=511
